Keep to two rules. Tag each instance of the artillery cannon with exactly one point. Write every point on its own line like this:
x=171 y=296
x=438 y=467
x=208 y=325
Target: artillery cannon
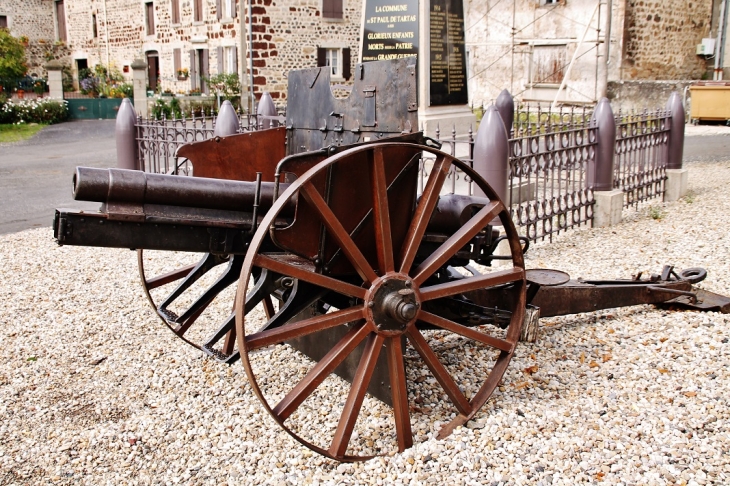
x=359 y=274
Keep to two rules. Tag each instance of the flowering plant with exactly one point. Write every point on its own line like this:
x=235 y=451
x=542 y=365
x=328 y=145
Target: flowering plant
x=34 y=111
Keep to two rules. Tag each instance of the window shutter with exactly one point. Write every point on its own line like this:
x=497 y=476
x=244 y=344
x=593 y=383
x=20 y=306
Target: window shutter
x=61 y=20
x=346 y=63
x=3 y=21
x=337 y=9
x=205 y=70
x=175 y=11
x=321 y=56
x=176 y=58
x=150 y=18
x=218 y=9
x=234 y=10
x=198 y=11
x=193 y=71
x=234 y=69
x=219 y=55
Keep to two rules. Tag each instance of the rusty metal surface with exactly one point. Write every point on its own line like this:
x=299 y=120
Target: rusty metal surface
x=380 y=104
x=575 y=296
x=238 y=157
x=377 y=296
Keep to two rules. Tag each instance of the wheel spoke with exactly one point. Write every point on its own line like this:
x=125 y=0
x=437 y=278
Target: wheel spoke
x=359 y=387
x=381 y=213
x=486 y=280
x=467 y=332
x=457 y=241
x=397 y=372
x=339 y=233
x=320 y=371
x=229 y=276
x=423 y=212
x=302 y=328
x=439 y=371
x=311 y=277
x=169 y=277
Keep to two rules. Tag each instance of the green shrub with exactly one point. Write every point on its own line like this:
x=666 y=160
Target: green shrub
x=12 y=56
x=161 y=110
x=175 y=108
x=34 y=111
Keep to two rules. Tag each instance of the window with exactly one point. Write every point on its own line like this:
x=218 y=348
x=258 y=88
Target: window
x=149 y=12
x=227 y=59
x=60 y=21
x=338 y=59
x=231 y=60
x=225 y=9
x=548 y=64
x=3 y=21
x=94 y=31
x=332 y=9
x=551 y=2
x=199 y=70
x=175 y=11
x=197 y=10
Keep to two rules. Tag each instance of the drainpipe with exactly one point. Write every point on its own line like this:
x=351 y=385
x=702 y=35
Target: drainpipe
x=242 y=54
x=250 y=57
x=106 y=34
x=602 y=90
x=720 y=51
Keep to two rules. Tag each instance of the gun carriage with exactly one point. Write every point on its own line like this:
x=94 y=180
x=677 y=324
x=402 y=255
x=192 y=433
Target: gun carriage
x=359 y=271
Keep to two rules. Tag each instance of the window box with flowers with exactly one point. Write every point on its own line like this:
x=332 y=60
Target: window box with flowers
x=194 y=92
x=182 y=74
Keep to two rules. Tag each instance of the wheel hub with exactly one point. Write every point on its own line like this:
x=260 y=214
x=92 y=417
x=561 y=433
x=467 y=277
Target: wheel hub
x=392 y=304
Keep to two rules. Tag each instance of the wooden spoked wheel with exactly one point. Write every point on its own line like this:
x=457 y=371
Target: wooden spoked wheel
x=380 y=310
x=195 y=299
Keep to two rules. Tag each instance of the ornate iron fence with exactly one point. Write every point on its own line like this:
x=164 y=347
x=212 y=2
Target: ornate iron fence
x=640 y=162
x=549 y=156
x=548 y=192
x=159 y=139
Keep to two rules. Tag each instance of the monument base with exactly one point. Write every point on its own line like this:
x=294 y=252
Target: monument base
x=447 y=119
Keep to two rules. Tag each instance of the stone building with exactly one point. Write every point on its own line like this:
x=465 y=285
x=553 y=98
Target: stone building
x=531 y=47
x=185 y=41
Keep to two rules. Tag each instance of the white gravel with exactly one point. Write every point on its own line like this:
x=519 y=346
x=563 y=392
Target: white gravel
x=93 y=389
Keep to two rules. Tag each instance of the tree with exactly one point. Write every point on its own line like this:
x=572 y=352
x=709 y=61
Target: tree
x=12 y=56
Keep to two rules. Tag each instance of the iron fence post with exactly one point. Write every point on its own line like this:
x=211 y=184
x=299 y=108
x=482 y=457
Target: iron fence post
x=55 y=79
x=125 y=132
x=139 y=83
x=675 y=186
x=675 y=147
x=506 y=107
x=600 y=172
x=227 y=121
x=491 y=153
x=266 y=108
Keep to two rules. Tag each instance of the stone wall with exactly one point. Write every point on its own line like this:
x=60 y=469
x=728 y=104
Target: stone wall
x=660 y=38
x=287 y=34
x=34 y=19
x=650 y=40
x=640 y=95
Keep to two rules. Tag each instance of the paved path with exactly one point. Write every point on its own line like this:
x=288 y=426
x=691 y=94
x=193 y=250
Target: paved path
x=35 y=175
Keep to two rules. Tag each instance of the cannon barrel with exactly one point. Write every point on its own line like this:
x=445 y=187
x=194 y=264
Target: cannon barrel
x=136 y=187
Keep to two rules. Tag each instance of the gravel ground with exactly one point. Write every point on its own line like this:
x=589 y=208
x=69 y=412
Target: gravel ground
x=93 y=389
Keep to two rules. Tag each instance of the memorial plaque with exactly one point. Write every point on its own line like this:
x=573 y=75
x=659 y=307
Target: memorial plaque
x=390 y=30
x=448 y=53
